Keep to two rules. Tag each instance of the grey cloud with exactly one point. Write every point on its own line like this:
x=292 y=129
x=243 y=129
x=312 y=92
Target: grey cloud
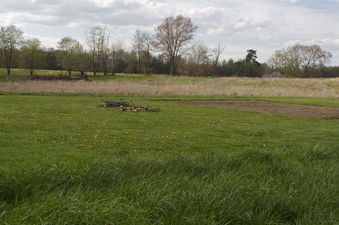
x=263 y=24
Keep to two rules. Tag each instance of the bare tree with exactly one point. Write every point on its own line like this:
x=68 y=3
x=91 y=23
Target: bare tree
x=142 y=46
x=103 y=47
x=295 y=56
x=315 y=57
x=98 y=43
x=10 y=39
x=92 y=43
x=172 y=36
x=116 y=55
x=197 y=61
x=138 y=46
x=199 y=54
x=31 y=54
x=300 y=58
x=279 y=60
x=217 y=53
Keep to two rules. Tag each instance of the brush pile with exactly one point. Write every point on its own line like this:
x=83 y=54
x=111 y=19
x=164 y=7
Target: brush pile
x=128 y=107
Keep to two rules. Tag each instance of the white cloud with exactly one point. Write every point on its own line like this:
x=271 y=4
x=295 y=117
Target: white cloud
x=265 y=25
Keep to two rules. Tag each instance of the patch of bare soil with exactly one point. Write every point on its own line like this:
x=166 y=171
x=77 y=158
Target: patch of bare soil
x=274 y=108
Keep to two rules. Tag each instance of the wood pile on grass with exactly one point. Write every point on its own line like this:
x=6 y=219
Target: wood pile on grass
x=128 y=107
x=115 y=104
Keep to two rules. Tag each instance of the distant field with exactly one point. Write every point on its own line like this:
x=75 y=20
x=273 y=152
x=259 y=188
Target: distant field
x=156 y=85
x=65 y=160
x=18 y=72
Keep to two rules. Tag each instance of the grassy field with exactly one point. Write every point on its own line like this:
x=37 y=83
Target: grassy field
x=64 y=160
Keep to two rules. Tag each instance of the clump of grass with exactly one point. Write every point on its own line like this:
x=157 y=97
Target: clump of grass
x=181 y=189
x=317 y=154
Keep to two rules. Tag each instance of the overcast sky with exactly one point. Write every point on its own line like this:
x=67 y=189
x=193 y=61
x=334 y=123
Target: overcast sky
x=265 y=25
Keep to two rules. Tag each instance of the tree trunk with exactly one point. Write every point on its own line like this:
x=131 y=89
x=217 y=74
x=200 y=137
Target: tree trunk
x=105 y=69
x=140 y=66
x=8 y=70
x=69 y=74
x=9 y=62
x=31 y=72
x=139 y=62
x=148 y=67
x=94 y=69
x=83 y=75
x=172 y=68
x=93 y=64
x=8 y=67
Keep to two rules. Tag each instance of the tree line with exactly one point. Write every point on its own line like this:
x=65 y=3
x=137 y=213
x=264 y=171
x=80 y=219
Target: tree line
x=170 y=50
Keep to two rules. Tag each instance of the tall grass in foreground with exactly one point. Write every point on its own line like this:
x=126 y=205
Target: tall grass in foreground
x=249 y=187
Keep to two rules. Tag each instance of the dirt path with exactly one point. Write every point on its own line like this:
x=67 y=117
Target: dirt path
x=268 y=107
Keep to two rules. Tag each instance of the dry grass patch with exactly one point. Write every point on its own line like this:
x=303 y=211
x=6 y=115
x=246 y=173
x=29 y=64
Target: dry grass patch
x=162 y=85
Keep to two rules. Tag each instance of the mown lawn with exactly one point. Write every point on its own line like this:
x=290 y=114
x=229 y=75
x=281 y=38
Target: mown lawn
x=64 y=160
